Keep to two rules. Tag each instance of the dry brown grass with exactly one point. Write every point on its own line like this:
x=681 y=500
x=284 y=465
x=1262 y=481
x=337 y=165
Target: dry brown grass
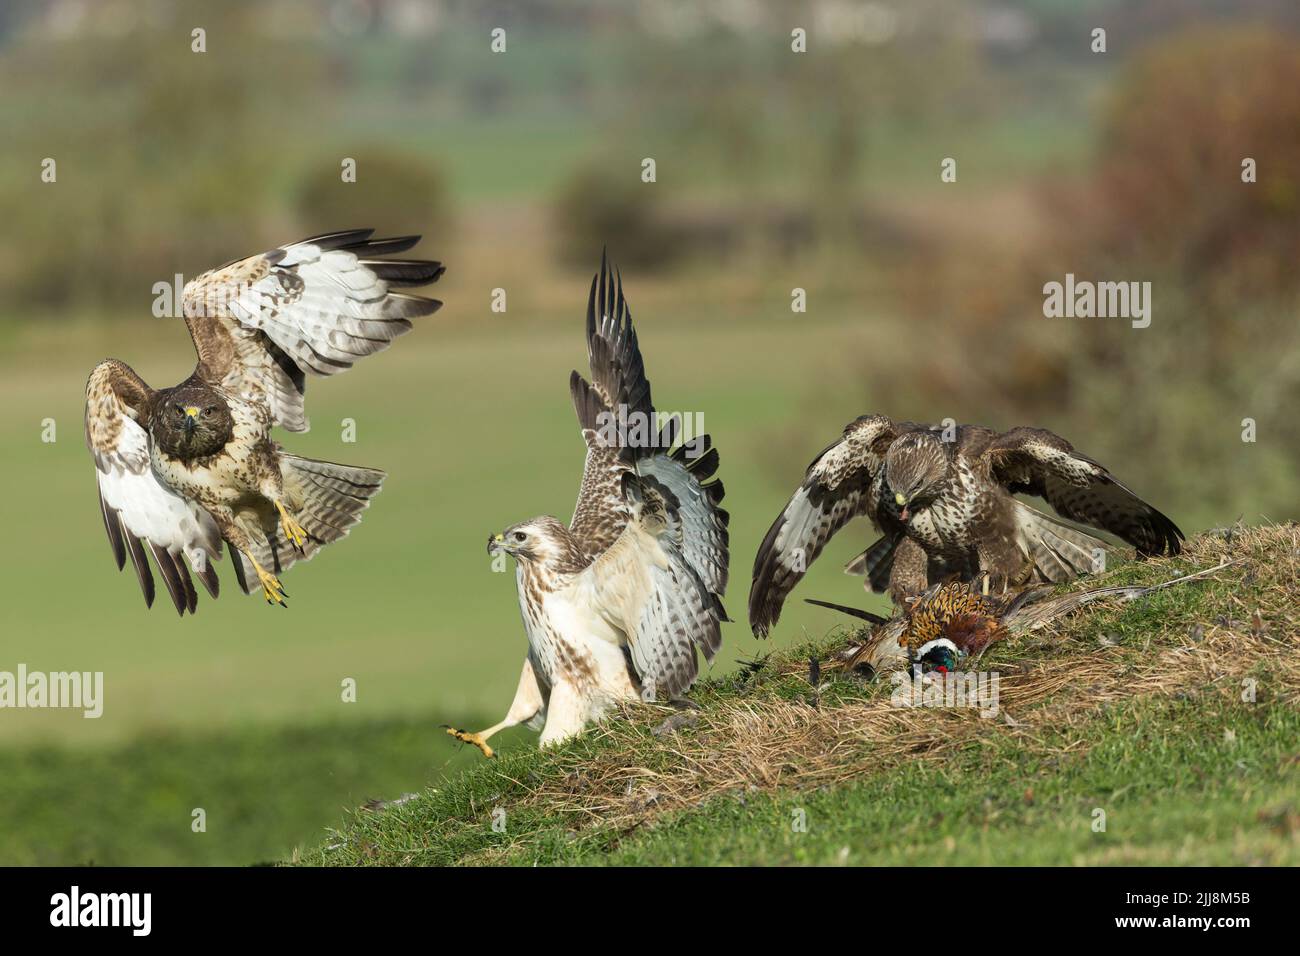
x=773 y=735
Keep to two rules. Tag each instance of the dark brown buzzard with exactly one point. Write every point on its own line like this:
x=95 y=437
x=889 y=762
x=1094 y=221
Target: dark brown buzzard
x=943 y=499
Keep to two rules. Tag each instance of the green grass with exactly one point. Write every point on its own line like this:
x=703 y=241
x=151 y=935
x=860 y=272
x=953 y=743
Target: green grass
x=1172 y=791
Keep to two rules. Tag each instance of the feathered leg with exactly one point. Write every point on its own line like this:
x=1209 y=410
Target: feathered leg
x=528 y=703
x=271 y=485
x=566 y=715
x=1003 y=565
x=235 y=535
x=909 y=575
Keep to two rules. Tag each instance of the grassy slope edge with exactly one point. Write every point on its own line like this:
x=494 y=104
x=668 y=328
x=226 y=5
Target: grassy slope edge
x=1138 y=711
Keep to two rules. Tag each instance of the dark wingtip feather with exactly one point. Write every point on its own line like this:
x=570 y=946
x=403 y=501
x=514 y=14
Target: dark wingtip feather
x=211 y=581
x=384 y=247
x=141 y=565
x=191 y=594
x=1162 y=537
x=704 y=466
x=764 y=605
x=114 y=531
x=603 y=296
x=337 y=240
x=591 y=311
x=171 y=577
x=405 y=273
x=237 y=560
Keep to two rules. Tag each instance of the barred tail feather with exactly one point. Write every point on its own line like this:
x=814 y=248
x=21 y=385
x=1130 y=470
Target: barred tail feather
x=1059 y=552
x=326 y=498
x=332 y=496
x=874 y=564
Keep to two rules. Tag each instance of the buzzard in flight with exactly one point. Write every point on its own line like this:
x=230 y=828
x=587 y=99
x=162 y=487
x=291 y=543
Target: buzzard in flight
x=943 y=499
x=183 y=469
x=616 y=605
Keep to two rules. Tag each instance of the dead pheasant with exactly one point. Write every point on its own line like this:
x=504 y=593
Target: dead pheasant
x=953 y=621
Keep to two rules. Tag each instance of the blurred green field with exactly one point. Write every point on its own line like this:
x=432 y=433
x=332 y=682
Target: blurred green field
x=265 y=791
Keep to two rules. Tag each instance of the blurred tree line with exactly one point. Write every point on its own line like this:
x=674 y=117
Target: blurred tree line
x=168 y=158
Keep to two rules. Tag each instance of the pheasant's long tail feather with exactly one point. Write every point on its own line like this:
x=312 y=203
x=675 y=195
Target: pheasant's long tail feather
x=1034 y=614
x=851 y=611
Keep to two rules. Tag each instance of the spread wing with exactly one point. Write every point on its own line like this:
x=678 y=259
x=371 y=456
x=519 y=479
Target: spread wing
x=617 y=396
x=683 y=479
x=835 y=489
x=623 y=436
x=140 y=513
x=645 y=585
x=260 y=324
x=1037 y=462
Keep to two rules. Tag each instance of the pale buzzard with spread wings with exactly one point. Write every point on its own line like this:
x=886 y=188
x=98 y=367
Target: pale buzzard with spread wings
x=943 y=498
x=617 y=604
x=183 y=469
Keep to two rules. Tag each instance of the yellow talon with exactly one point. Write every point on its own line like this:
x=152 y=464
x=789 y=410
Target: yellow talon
x=272 y=589
x=468 y=738
x=293 y=531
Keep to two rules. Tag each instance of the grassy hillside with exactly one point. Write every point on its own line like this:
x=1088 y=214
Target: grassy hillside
x=1137 y=710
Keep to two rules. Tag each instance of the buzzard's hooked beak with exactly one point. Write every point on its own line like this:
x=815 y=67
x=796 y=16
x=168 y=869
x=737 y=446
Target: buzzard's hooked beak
x=495 y=542
x=902 y=503
x=191 y=419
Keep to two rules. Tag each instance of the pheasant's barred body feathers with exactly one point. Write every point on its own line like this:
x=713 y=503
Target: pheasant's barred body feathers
x=957 y=612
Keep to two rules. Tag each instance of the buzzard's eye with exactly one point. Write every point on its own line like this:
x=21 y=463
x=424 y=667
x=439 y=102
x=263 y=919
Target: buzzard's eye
x=520 y=536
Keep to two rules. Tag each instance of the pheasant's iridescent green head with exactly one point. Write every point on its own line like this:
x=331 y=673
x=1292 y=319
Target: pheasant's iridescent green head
x=939 y=655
